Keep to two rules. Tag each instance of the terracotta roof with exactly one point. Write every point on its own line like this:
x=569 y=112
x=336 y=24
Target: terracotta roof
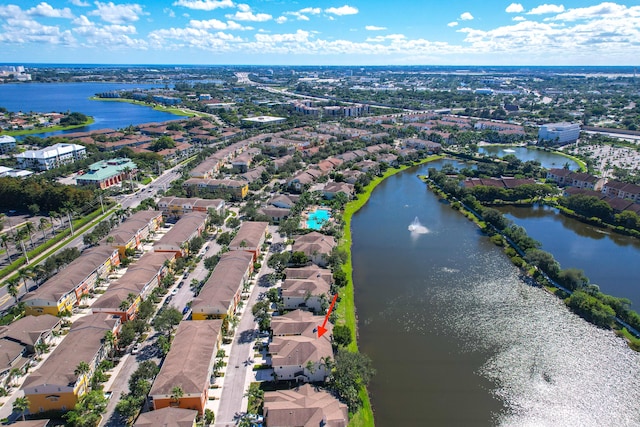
x=298 y=350
x=167 y=417
x=298 y=322
x=70 y=277
x=80 y=345
x=188 y=363
x=225 y=281
x=251 y=233
x=304 y=406
x=313 y=243
x=28 y=329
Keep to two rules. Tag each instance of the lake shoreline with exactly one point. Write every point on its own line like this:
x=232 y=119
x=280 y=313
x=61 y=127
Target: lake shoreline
x=347 y=311
x=49 y=129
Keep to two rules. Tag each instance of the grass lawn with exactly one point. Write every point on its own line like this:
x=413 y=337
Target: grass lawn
x=346 y=310
x=47 y=129
x=173 y=110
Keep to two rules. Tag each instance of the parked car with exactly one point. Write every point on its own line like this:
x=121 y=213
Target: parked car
x=135 y=349
x=180 y=284
x=185 y=310
x=173 y=292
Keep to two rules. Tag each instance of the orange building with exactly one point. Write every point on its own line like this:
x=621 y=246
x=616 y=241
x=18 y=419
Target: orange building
x=189 y=366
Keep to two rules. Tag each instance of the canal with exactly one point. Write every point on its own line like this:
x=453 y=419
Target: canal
x=458 y=339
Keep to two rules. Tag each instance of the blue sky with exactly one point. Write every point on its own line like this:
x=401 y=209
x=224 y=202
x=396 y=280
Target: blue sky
x=351 y=32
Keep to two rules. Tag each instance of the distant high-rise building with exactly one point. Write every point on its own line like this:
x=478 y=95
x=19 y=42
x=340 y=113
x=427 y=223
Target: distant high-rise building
x=559 y=133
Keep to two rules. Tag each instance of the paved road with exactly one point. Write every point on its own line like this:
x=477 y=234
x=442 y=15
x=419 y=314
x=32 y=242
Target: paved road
x=240 y=364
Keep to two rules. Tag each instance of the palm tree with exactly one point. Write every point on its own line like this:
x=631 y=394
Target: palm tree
x=44 y=224
x=54 y=215
x=176 y=393
x=110 y=340
x=12 y=288
x=24 y=274
x=21 y=405
x=14 y=373
x=41 y=347
x=4 y=241
x=30 y=228
x=83 y=368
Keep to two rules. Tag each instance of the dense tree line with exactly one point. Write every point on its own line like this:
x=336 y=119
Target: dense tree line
x=18 y=193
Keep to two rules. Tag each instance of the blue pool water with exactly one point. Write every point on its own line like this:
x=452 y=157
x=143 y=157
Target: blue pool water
x=317 y=219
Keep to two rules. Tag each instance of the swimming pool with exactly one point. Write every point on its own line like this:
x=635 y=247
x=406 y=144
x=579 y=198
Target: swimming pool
x=318 y=218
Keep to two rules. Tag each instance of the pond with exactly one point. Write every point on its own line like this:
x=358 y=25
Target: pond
x=547 y=159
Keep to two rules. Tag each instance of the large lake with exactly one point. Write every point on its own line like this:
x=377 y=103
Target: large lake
x=458 y=339
x=547 y=159
x=63 y=97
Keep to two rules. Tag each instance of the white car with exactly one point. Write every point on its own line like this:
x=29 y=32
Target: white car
x=174 y=292
x=135 y=349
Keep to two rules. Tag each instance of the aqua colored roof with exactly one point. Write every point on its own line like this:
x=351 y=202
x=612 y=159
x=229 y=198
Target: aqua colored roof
x=107 y=168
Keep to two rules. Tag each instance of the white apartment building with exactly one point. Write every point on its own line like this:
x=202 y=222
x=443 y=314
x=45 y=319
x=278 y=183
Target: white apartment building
x=560 y=133
x=7 y=143
x=51 y=157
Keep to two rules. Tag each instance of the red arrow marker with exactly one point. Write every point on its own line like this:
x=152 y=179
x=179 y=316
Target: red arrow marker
x=322 y=329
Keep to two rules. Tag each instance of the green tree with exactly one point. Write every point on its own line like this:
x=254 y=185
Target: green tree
x=83 y=368
x=342 y=335
x=209 y=416
x=351 y=372
x=176 y=394
x=21 y=405
x=167 y=320
x=545 y=261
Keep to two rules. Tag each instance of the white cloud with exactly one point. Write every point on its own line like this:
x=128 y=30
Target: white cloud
x=546 y=8
x=11 y=11
x=311 y=10
x=169 y=12
x=297 y=37
x=374 y=28
x=117 y=13
x=281 y=19
x=47 y=11
x=244 y=14
x=79 y=3
x=603 y=10
x=20 y=29
x=466 y=16
x=204 y=4
x=519 y=18
x=214 y=24
x=392 y=37
x=514 y=8
x=452 y=24
x=343 y=10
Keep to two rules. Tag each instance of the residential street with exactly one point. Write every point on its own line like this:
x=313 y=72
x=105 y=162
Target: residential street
x=239 y=373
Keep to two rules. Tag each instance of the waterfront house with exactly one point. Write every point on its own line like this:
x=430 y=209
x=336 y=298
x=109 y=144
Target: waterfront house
x=165 y=417
x=307 y=293
x=304 y=406
x=298 y=322
x=301 y=358
x=331 y=189
x=622 y=190
x=316 y=246
x=55 y=385
x=188 y=365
